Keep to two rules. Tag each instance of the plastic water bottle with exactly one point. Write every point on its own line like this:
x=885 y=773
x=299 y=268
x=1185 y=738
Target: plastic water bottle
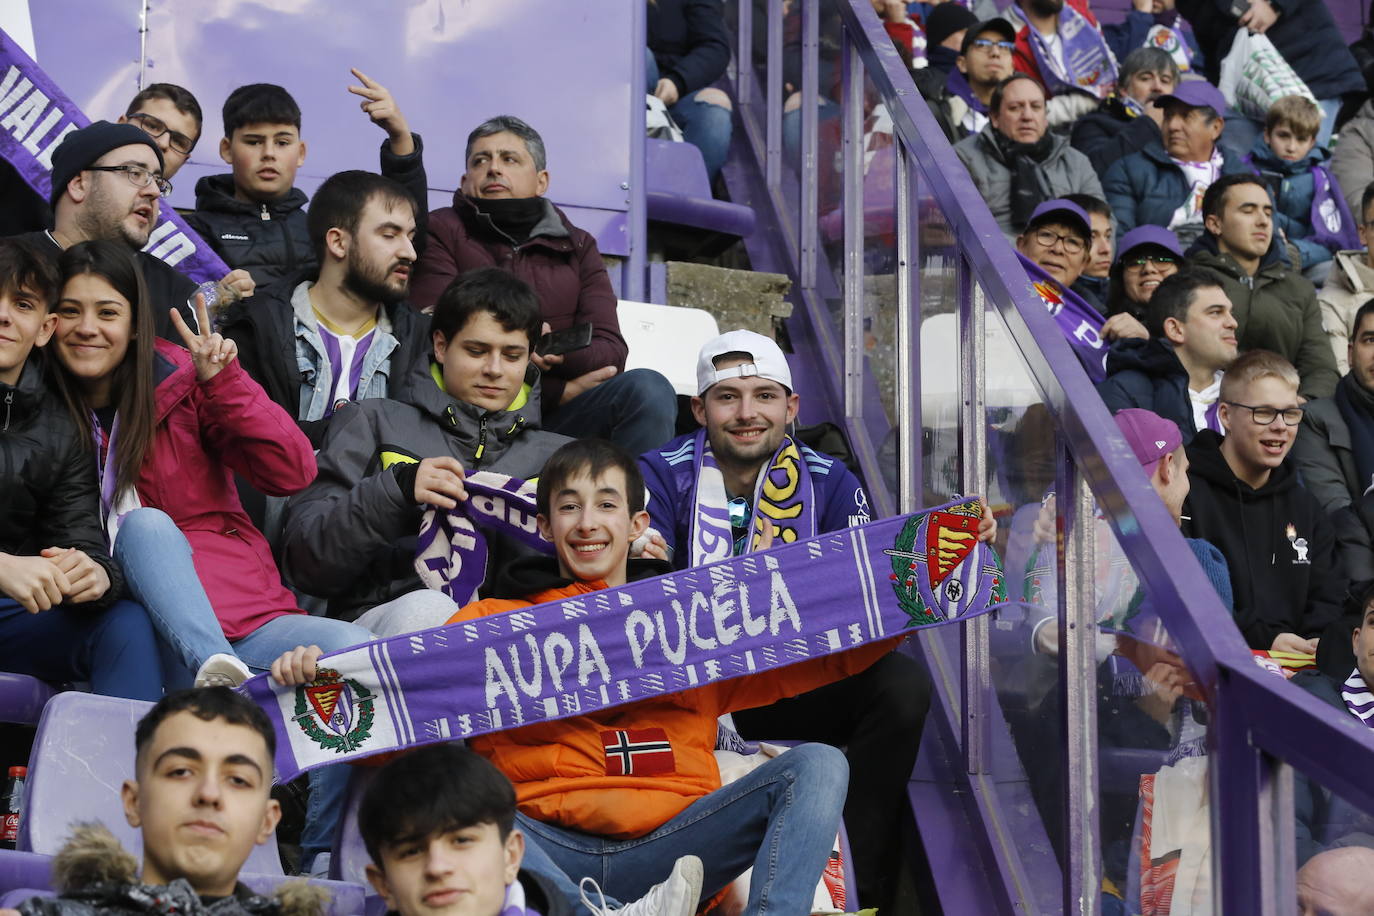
x=14 y=807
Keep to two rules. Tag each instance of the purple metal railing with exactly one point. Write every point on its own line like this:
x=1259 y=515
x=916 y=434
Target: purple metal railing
x=1260 y=727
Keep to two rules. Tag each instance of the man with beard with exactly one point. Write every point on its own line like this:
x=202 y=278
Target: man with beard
x=1061 y=47
x=1127 y=120
x=745 y=404
x=1016 y=163
x=107 y=183
x=344 y=333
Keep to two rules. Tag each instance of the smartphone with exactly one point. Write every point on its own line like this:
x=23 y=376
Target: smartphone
x=556 y=343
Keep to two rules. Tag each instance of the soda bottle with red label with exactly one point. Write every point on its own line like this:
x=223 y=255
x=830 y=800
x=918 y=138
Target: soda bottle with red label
x=14 y=807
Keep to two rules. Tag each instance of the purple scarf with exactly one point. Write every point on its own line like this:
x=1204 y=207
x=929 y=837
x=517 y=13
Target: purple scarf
x=1088 y=63
x=1333 y=225
x=1079 y=321
x=34 y=117
x=451 y=551
x=957 y=83
x=576 y=656
x=1358 y=699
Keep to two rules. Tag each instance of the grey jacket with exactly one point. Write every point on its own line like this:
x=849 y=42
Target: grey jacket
x=1349 y=286
x=1325 y=457
x=1352 y=161
x=1064 y=171
x=350 y=536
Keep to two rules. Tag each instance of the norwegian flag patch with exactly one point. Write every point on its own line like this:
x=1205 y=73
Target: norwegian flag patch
x=637 y=752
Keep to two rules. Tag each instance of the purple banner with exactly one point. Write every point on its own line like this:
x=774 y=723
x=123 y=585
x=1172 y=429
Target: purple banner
x=729 y=619
x=34 y=117
x=1080 y=323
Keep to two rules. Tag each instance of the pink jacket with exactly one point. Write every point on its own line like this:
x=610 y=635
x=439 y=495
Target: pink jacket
x=206 y=432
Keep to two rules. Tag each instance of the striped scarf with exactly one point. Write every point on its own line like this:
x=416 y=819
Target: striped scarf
x=1358 y=699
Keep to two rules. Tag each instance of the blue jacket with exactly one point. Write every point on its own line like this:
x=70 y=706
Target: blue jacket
x=1145 y=188
x=1148 y=374
x=668 y=475
x=1293 y=188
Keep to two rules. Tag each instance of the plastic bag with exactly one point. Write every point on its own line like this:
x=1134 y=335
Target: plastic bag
x=1254 y=75
x=658 y=123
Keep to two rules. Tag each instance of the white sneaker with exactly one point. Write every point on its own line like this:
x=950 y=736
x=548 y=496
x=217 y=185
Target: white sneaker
x=677 y=896
x=221 y=670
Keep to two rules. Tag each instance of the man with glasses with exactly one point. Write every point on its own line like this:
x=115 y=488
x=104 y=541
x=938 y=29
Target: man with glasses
x=1016 y=162
x=1245 y=498
x=171 y=116
x=1177 y=372
x=1349 y=286
x=1275 y=305
x=960 y=100
x=107 y=183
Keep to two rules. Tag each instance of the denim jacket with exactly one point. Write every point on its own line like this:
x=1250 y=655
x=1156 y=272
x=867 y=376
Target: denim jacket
x=317 y=383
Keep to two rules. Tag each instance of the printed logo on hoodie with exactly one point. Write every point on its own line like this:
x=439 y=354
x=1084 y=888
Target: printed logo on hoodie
x=1298 y=544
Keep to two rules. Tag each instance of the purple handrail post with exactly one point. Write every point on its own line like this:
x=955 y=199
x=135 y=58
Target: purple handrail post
x=852 y=144
x=973 y=444
x=909 y=470
x=810 y=125
x=1238 y=771
x=772 y=171
x=1078 y=684
x=744 y=58
x=635 y=263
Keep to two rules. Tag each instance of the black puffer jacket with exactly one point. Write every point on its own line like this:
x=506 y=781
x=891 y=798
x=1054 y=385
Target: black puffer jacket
x=50 y=497
x=1148 y=374
x=689 y=42
x=1277 y=541
x=271 y=240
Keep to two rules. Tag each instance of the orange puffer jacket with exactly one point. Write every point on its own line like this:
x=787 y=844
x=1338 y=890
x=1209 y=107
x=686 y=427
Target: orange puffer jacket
x=623 y=772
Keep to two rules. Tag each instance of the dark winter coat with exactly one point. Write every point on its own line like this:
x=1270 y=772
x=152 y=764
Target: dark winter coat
x=689 y=42
x=1146 y=187
x=1109 y=134
x=350 y=537
x=1304 y=34
x=1276 y=310
x=1277 y=542
x=1324 y=456
x=264 y=327
x=559 y=260
x=1321 y=817
x=1148 y=374
x=271 y=240
x=47 y=478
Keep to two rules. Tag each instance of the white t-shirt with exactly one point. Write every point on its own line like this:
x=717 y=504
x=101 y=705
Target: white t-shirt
x=1199 y=176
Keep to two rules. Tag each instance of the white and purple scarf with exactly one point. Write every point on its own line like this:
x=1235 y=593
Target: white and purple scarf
x=784 y=497
x=1088 y=63
x=1358 y=699
x=514 y=904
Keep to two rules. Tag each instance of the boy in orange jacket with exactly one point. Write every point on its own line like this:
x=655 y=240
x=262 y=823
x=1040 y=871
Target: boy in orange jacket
x=620 y=794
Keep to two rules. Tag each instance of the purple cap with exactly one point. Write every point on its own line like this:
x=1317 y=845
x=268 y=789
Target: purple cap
x=1150 y=436
x=1149 y=235
x=1197 y=93
x=1062 y=208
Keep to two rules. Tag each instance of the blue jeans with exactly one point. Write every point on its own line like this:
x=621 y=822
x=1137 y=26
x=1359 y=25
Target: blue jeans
x=114 y=649
x=705 y=126
x=156 y=559
x=637 y=410
x=781 y=819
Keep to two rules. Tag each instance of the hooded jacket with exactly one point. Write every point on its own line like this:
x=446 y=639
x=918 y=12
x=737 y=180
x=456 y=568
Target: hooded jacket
x=1293 y=186
x=1146 y=187
x=278 y=353
x=1324 y=454
x=1109 y=133
x=561 y=770
x=1276 y=310
x=1277 y=541
x=1352 y=162
x=270 y=240
x=1148 y=374
x=47 y=478
x=1064 y=171
x=206 y=432
x=559 y=260
x=350 y=537
x=95 y=875
x=1321 y=816
x=1349 y=286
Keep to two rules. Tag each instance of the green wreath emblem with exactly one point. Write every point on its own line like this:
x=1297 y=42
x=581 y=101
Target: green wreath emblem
x=908 y=596
x=359 y=733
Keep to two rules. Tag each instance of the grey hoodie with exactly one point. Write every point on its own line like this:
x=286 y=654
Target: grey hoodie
x=350 y=536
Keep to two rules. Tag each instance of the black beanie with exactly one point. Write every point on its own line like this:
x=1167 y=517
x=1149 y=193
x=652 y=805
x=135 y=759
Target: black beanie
x=945 y=20
x=82 y=147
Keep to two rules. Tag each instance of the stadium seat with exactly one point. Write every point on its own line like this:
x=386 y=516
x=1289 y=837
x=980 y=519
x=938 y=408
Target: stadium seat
x=666 y=338
x=678 y=194
x=83 y=752
x=22 y=698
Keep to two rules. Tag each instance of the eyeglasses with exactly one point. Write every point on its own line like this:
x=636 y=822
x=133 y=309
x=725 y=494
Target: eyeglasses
x=1047 y=237
x=156 y=127
x=1292 y=416
x=987 y=44
x=1158 y=260
x=138 y=176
